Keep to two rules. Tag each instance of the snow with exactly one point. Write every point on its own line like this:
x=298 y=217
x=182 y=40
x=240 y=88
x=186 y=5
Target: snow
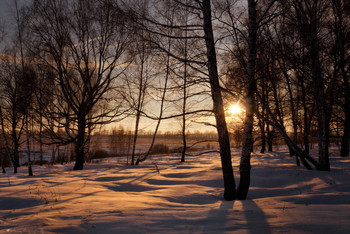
x=111 y=197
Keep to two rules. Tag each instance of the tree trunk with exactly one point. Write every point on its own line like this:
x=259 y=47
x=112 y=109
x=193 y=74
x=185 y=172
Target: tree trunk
x=306 y=120
x=269 y=138
x=344 y=150
x=160 y=113
x=80 y=144
x=262 y=135
x=247 y=143
x=184 y=144
x=298 y=152
x=8 y=151
x=184 y=103
x=321 y=111
x=40 y=139
x=15 y=145
x=308 y=19
x=30 y=171
x=135 y=137
x=218 y=108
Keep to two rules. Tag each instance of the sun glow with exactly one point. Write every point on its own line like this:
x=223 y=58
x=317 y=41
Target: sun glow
x=235 y=109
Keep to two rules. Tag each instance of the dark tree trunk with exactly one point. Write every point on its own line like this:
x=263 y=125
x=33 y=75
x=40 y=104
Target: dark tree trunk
x=247 y=142
x=160 y=113
x=80 y=144
x=218 y=109
x=306 y=121
x=30 y=171
x=308 y=18
x=300 y=153
x=341 y=30
x=344 y=150
x=15 y=145
x=184 y=143
x=40 y=139
x=263 y=136
x=321 y=111
x=269 y=138
x=138 y=115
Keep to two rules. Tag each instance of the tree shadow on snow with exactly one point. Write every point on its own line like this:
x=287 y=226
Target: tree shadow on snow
x=256 y=218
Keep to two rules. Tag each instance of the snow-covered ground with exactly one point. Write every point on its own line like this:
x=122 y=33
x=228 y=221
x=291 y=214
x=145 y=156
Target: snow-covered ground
x=110 y=197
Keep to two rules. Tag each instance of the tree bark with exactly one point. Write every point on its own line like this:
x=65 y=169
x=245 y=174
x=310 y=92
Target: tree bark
x=321 y=110
x=262 y=135
x=218 y=109
x=247 y=143
x=345 y=145
x=79 y=144
x=344 y=150
x=269 y=138
x=30 y=171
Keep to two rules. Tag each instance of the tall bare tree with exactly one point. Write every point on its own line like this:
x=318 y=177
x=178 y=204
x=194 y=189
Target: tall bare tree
x=218 y=107
x=83 y=43
x=340 y=30
x=309 y=15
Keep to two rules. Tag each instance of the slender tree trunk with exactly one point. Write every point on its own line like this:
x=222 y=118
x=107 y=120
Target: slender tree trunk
x=53 y=152
x=345 y=144
x=30 y=171
x=293 y=110
x=218 y=108
x=341 y=30
x=40 y=139
x=80 y=144
x=263 y=136
x=306 y=121
x=308 y=18
x=300 y=153
x=269 y=138
x=321 y=111
x=8 y=151
x=136 y=131
x=247 y=142
x=2 y=164
x=344 y=150
x=142 y=89
x=184 y=144
x=160 y=114
x=15 y=146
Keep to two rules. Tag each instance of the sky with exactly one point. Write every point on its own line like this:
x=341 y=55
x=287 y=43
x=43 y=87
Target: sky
x=7 y=12
x=7 y=18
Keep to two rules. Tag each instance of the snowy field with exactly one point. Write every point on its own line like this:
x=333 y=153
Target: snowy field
x=110 y=197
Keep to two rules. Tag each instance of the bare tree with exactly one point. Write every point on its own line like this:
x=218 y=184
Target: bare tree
x=340 y=30
x=12 y=106
x=138 y=80
x=309 y=15
x=218 y=107
x=83 y=43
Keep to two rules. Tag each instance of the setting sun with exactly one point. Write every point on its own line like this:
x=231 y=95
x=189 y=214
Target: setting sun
x=235 y=109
